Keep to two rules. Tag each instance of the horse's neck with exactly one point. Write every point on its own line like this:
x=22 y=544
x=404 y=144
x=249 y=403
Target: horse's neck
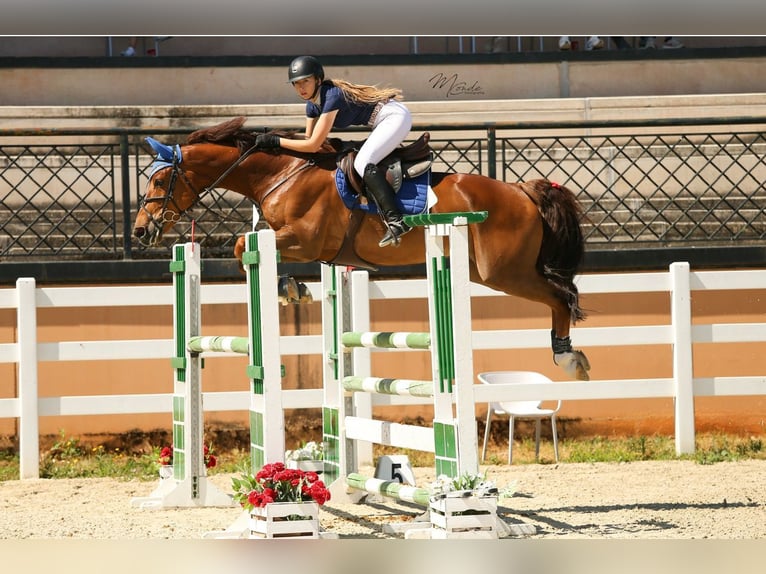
x=264 y=175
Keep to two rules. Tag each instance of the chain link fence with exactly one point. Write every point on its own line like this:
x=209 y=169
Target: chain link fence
x=72 y=195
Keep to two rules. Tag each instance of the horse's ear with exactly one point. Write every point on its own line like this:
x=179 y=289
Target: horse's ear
x=164 y=152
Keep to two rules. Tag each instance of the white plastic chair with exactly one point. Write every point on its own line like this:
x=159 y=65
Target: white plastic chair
x=519 y=409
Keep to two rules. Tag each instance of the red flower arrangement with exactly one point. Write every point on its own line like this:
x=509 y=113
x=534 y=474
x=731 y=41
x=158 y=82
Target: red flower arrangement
x=277 y=483
x=166 y=457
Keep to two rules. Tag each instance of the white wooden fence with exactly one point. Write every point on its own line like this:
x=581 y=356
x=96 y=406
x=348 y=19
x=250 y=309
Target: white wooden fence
x=679 y=282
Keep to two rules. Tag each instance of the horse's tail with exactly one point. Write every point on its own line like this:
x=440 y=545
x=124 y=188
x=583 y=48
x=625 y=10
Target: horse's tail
x=563 y=247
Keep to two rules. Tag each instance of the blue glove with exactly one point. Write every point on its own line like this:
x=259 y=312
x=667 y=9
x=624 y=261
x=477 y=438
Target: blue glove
x=267 y=141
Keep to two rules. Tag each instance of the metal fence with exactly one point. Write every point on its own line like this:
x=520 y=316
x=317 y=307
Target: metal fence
x=692 y=187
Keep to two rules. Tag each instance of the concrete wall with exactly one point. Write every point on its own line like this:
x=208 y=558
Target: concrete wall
x=178 y=84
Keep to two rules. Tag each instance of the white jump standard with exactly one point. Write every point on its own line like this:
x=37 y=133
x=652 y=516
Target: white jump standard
x=453 y=437
x=189 y=485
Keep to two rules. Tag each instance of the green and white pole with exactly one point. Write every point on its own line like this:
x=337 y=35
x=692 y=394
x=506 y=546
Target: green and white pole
x=390 y=488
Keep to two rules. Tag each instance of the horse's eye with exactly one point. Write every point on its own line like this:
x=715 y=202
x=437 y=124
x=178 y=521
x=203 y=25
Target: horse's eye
x=159 y=183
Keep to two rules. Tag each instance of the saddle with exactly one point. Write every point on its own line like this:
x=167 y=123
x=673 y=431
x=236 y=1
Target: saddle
x=405 y=162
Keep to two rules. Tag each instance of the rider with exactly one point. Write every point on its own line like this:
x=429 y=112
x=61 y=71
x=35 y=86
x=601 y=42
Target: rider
x=335 y=103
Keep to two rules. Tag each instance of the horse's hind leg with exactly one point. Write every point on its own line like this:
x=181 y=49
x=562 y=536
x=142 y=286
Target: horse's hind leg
x=537 y=288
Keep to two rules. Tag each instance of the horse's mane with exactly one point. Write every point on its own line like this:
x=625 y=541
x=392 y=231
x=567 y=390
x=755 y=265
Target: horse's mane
x=231 y=133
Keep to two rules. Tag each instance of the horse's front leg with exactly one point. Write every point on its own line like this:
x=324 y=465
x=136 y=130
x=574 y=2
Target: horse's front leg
x=288 y=289
x=573 y=361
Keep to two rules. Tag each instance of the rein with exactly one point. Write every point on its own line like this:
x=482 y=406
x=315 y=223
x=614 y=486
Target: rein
x=228 y=170
x=285 y=179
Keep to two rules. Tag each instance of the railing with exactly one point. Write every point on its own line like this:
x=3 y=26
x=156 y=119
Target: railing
x=690 y=186
x=680 y=332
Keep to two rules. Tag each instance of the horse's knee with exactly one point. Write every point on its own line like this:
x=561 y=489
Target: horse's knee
x=239 y=249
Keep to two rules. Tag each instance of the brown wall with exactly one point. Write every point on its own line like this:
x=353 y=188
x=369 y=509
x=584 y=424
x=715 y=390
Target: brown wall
x=744 y=415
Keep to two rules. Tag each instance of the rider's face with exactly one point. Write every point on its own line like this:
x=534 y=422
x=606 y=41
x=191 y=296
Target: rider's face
x=306 y=87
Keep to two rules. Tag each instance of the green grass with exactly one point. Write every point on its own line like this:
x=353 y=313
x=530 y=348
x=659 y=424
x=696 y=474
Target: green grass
x=69 y=458
x=709 y=449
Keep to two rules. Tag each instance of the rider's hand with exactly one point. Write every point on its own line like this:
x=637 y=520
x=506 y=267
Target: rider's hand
x=267 y=141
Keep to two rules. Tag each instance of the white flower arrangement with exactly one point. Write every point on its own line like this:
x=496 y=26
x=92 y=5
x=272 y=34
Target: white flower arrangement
x=469 y=483
x=308 y=451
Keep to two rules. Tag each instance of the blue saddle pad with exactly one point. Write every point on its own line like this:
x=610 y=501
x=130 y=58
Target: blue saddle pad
x=411 y=199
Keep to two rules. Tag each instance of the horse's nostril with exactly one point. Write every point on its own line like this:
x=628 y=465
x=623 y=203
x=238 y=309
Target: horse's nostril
x=139 y=232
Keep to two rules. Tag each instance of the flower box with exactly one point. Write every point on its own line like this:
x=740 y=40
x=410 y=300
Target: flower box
x=307 y=465
x=285 y=520
x=463 y=514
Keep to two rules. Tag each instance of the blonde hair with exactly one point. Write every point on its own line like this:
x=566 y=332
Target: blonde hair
x=363 y=94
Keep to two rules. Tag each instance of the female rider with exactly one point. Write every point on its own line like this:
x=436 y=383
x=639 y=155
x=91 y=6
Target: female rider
x=335 y=103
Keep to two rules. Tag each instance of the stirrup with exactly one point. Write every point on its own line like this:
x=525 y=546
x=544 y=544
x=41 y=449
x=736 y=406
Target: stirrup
x=395 y=230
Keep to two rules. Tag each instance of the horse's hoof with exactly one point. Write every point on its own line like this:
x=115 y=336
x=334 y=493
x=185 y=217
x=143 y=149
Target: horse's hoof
x=574 y=363
x=288 y=290
x=304 y=294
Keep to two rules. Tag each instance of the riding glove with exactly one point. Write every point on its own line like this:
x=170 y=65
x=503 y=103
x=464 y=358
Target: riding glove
x=267 y=141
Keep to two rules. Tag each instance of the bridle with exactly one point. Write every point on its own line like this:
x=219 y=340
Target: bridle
x=168 y=216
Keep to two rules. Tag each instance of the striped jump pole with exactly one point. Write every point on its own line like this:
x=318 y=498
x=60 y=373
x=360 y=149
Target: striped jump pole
x=406 y=387
x=390 y=488
x=239 y=345
x=385 y=340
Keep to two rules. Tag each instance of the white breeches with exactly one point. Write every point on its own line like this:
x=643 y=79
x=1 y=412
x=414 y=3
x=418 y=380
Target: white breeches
x=391 y=126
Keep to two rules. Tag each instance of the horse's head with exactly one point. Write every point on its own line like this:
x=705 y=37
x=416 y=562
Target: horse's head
x=169 y=193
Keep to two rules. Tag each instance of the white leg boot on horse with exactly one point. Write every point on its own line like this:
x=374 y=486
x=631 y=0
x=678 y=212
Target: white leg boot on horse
x=383 y=195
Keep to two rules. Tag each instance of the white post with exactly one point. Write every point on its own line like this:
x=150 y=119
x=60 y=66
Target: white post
x=362 y=357
x=342 y=403
x=465 y=406
x=331 y=396
x=29 y=426
x=683 y=371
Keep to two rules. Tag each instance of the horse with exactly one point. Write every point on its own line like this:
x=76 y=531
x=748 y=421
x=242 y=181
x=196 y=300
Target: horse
x=530 y=245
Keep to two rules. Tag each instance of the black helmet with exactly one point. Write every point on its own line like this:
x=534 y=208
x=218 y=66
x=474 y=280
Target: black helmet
x=305 y=67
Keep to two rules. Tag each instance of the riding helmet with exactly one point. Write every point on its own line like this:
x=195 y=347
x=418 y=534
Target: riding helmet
x=305 y=67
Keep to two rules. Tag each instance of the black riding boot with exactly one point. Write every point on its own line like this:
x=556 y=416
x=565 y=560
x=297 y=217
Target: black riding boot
x=383 y=195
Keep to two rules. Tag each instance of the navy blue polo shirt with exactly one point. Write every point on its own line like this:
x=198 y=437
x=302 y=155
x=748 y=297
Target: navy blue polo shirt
x=349 y=113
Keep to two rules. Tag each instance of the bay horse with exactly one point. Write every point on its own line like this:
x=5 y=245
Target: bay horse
x=530 y=245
